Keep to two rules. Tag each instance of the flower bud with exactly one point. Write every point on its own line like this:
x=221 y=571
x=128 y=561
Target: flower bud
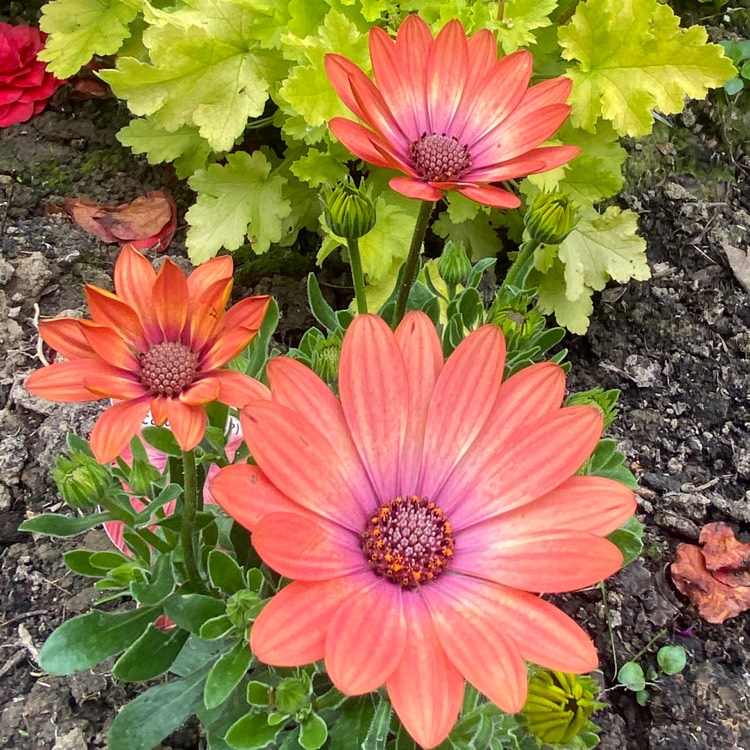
x=142 y=474
x=559 y=705
x=454 y=265
x=325 y=360
x=81 y=481
x=292 y=695
x=243 y=607
x=349 y=211
x=605 y=401
x=551 y=218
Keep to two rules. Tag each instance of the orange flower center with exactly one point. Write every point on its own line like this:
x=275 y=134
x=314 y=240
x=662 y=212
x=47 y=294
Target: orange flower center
x=409 y=541
x=439 y=158
x=168 y=368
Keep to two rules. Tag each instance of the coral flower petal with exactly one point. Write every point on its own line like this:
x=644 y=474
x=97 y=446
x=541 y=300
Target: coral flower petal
x=247 y=495
x=415 y=188
x=109 y=310
x=491 y=100
x=247 y=313
x=291 y=630
x=307 y=549
x=206 y=315
x=542 y=633
x=553 y=563
x=116 y=427
x=479 y=359
x=426 y=689
x=362 y=651
x=553 y=91
x=209 y=273
x=297 y=387
x=447 y=68
x=170 y=296
x=109 y=382
x=524 y=398
x=188 y=423
x=490 y=196
x=376 y=408
x=110 y=346
x=237 y=389
x=592 y=504
x=482 y=54
x=531 y=464
x=280 y=438
x=423 y=357
x=134 y=284
x=159 y=410
x=363 y=143
x=549 y=157
x=477 y=645
x=226 y=347
x=201 y=392
x=63 y=381
x=64 y=335
x=413 y=43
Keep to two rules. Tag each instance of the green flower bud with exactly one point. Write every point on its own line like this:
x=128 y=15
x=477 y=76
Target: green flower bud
x=605 y=401
x=551 y=218
x=142 y=474
x=243 y=607
x=292 y=695
x=559 y=705
x=325 y=360
x=454 y=265
x=81 y=480
x=349 y=211
x=516 y=319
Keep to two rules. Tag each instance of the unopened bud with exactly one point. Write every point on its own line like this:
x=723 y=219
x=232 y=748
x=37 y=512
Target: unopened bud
x=605 y=401
x=82 y=482
x=454 y=265
x=142 y=474
x=349 y=211
x=551 y=218
x=559 y=705
x=325 y=360
x=292 y=694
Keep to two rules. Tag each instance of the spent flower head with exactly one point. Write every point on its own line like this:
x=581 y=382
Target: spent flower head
x=447 y=114
x=420 y=515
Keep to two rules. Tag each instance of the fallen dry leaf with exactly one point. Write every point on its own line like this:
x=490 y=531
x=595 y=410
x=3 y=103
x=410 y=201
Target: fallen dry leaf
x=148 y=222
x=726 y=558
x=739 y=261
x=716 y=594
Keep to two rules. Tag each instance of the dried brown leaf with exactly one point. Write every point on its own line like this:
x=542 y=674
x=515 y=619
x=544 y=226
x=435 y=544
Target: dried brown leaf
x=726 y=558
x=739 y=261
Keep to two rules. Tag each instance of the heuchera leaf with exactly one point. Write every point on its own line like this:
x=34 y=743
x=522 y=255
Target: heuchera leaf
x=633 y=58
x=239 y=199
x=208 y=75
x=571 y=314
x=80 y=29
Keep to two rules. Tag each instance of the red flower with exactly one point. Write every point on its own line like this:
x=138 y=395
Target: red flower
x=448 y=114
x=419 y=516
x=157 y=344
x=25 y=84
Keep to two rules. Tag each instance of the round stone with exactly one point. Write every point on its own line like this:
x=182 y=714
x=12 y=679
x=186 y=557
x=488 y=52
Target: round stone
x=168 y=368
x=439 y=158
x=408 y=541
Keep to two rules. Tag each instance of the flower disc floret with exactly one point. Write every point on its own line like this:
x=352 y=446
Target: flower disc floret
x=409 y=542
x=439 y=158
x=167 y=369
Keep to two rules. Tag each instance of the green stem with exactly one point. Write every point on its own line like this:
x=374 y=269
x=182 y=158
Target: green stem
x=355 y=260
x=659 y=635
x=522 y=266
x=603 y=589
x=412 y=259
x=189 y=509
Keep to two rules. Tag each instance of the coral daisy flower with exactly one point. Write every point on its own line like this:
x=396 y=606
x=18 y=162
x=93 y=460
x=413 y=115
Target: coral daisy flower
x=416 y=514
x=155 y=345
x=448 y=114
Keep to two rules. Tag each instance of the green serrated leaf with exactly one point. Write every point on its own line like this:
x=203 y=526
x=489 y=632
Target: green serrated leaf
x=633 y=58
x=241 y=198
x=146 y=721
x=86 y=640
x=571 y=314
x=151 y=655
x=52 y=524
x=80 y=29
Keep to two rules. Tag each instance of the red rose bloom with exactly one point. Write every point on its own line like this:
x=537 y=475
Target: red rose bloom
x=25 y=84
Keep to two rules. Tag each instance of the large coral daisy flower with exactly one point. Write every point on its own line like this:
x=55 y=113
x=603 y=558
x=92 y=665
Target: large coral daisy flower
x=155 y=345
x=448 y=114
x=415 y=515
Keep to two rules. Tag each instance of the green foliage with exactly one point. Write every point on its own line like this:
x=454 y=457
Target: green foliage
x=739 y=54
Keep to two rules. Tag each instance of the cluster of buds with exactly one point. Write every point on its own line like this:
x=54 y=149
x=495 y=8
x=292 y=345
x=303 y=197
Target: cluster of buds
x=81 y=481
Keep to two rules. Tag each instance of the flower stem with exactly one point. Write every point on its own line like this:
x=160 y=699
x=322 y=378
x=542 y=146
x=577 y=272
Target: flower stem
x=187 y=532
x=355 y=260
x=412 y=259
x=522 y=266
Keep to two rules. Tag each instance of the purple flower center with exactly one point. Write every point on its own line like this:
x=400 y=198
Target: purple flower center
x=439 y=158
x=408 y=541
x=168 y=368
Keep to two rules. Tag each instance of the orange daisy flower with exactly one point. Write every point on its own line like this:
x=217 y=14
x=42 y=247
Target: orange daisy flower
x=420 y=515
x=448 y=114
x=156 y=345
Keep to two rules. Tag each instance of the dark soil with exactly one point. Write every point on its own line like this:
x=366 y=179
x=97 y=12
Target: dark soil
x=677 y=346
